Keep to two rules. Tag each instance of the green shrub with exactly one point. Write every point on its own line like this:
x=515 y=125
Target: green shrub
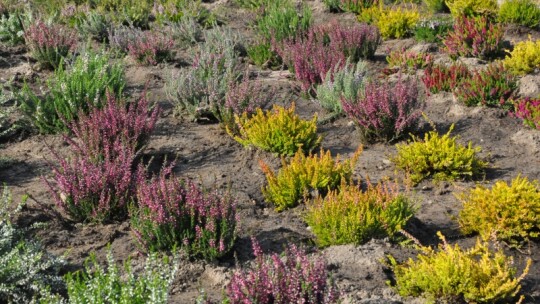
x=470 y=8
x=343 y=82
x=436 y=6
x=281 y=20
x=12 y=27
x=262 y=54
x=186 y=32
x=524 y=58
x=172 y=11
x=393 y=22
x=279 y=131
x=350 y=215
x=27 y=272
x=477 y=275
x=96 y=284
x=522 y=12
x=255 y=4
x=95 y=25
x=355 y=6
x=133 y=12
x=432 y=30
x=440 y=157
x=507 y=212
x=408 y=61
x=493 y=86
x=79 y=87
x=304 y=174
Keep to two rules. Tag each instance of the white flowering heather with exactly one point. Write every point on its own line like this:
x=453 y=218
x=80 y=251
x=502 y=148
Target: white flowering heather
x=26 y=270
x=346 y=81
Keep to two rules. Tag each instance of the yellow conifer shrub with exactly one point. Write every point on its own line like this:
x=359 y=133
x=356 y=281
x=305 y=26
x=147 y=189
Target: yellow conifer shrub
x=524 y=58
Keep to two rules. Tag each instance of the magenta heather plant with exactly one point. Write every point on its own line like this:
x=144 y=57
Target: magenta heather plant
x=49 y=44
x=474 y=36
x=311 y=55
x=385 y=111
x=291 y=279
x=171 y=213
x=528 y=109
x=150 y=47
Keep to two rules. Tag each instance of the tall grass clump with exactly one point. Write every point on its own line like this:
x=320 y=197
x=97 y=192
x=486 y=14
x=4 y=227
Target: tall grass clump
x=50 y=44
x=293 y=278
x=522 y=12
x=97 y=182
x=170 y=213
x=451 y=274
x=384 y=111
x=27 y=272
x=350 y=215
x=76 y=88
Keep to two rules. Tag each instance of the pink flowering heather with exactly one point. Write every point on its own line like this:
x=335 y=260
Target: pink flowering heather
x=385 y=111
x=440 y=78
x=474 y=37
x=276 y=280
x=116 y=123
x=50 y=43
x=528 y=109
x=171 y=213
x=150 y=48
x=316 y=52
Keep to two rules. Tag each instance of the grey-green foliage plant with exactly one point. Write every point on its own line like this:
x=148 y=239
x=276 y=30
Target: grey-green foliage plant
x=198 y=90
x=186 y=32
x=341 y=81
x=79 y=87
x=97 y=284
x=27 y=272
x=12 y=27
x=281 y=20
x=95 y=25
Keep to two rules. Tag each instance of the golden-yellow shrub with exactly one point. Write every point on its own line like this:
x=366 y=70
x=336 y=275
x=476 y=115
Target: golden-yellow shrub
x=393 y=22
x=524 y=58
x=302 y=174
x=508 y=212
x=471 y=8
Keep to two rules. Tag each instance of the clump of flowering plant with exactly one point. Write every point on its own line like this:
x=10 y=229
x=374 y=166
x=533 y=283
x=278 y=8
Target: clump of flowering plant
x=172 y=213
x=441 y=78
x=150 y=48
x=293 y=278
x=385 y=111
x=528 y=109
x=408 y=61
x=49 y=43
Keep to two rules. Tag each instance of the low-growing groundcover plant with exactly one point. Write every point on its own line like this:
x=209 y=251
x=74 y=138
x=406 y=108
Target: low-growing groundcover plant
x=27 y=272
x=528 y=109
x=509 y=213
x=292 y=278
x=493 y=86
x=524 y=58
x=350 y=215
x=302 y=175
x=170 y=213
x=279 y=131
x=72 y=90
x=384 y=111
x=454 y=275
x=523 y=12
x=112 y=284
x=439 y=157
x=97 y=182
x=474 y=37
x=442 y=78
x=49 y=44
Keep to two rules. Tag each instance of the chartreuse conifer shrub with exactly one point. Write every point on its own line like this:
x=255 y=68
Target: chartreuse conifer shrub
x=393 y=22
x=439 y=157
x=524 y=58
x=509 y=212
x=304 y=174
x=454 y=275
x=279 y=130
x=436 y=6
x=350 y=215
x=522 y=12
x=471 y=8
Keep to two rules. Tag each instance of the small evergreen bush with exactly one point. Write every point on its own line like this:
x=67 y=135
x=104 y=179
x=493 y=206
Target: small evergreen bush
x=524 y=58
x=393 y=22
x=441 y=78
x=408 y=61
x=279 y=131
x=350 y=215
x=282 y=20
x=528 y=109
x=354 y=6
x=522 y=12
x=436 y=6
x=432 y=30
x=304 y=174
x=451 y=274
x=12 y=27
x=151 y=47
x=440 y=157
x=95 y=25
x=472 y=8
x=474 y=37
x=507 y=212
x=49 y=44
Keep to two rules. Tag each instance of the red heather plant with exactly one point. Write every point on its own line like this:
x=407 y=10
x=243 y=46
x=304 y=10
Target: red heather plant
x=528 y=109
x=311 y=55
x=441 y=78
x=291 y=279
x=151 y=47
x=49 y=44
x=493 y=86
x=171 y=213
x=385 y=111
x=408 y=61
x=474 y=37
